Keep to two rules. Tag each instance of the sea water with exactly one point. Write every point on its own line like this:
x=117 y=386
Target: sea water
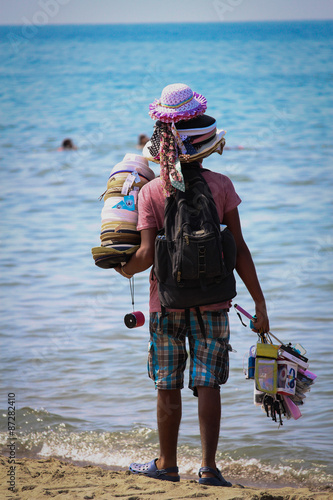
x=78 y=374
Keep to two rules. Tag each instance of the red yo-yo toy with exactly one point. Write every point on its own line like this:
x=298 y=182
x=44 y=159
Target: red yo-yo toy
x=134 y=319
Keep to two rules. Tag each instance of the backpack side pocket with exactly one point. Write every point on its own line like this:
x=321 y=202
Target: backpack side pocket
x=162 y=264
x=229 y=249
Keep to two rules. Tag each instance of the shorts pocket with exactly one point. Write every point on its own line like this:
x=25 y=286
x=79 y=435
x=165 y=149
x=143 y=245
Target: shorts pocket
x=153 y=322
x=218 y=325
x=222 y=368
x=151 y=361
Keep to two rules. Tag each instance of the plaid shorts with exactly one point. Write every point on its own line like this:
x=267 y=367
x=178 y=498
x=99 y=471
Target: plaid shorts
x=209 y=354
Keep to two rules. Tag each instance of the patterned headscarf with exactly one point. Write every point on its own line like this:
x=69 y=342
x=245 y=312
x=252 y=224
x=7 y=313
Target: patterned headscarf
x=170 y=168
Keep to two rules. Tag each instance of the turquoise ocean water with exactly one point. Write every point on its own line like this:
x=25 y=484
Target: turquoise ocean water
x=79 y=375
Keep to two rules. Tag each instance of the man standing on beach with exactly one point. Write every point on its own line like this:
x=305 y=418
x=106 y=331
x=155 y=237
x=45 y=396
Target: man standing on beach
x=184 y=132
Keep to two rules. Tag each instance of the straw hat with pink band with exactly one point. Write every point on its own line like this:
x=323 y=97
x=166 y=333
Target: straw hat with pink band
x=182 y=134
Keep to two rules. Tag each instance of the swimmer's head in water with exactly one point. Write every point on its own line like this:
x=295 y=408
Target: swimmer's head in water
x=67 y=144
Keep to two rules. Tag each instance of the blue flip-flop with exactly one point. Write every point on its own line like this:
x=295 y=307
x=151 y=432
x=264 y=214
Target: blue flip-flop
x=218 y=480
x=150 y=470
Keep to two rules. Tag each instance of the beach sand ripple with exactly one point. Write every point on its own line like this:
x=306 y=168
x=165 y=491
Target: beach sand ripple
x=52 y=478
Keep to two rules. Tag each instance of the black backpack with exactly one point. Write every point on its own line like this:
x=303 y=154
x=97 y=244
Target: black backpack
x=194 y=258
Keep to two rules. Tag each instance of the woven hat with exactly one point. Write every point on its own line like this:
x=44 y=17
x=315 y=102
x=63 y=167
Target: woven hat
x=117 y=181
x=119 y=215
x=107 y=258
x=177 y=102
x=110 y=238
x=129 y=166
x=199 y=136
x=140 y=160
x=119 y=236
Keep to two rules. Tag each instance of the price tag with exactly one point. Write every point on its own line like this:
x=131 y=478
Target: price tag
x=126 y=204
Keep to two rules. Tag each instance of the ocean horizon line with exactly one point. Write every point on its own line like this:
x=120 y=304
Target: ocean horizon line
x=153 y=23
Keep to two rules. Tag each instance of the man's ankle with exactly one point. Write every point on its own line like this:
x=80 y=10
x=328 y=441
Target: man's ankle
x=211 y=465
x=166 y=464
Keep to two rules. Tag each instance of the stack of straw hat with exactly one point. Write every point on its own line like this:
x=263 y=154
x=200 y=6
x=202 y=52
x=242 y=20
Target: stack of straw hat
x=119 y=236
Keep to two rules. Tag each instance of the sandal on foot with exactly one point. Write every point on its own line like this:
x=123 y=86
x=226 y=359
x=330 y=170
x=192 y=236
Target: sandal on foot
x=149 y=469
x=218 y=480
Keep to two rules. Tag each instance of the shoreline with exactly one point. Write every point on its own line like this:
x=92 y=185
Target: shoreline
x=50 y=477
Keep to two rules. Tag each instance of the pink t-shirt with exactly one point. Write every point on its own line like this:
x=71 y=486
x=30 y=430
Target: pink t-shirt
x=151 y=215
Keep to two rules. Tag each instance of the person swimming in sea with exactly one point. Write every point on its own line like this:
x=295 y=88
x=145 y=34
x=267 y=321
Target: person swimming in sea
x=66 y=145
x=142 y=141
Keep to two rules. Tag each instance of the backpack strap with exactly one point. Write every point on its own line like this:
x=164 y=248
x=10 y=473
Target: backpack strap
x=201 y=324
x=188 y=319
x=163 y=315
x=200 y=321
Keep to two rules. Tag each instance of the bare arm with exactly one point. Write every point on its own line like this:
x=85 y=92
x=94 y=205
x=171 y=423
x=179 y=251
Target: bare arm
x=143 y=257
x=246 y=269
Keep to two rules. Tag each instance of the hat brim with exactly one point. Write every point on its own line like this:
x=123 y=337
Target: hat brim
x=196 y=108
x=210 y=147
x=127 y=167
x=107 y=258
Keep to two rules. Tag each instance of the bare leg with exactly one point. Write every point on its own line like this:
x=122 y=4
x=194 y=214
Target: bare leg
x=209 y=409
x=169 y=413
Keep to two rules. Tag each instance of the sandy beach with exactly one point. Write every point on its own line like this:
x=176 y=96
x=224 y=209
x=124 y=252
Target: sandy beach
x=47 y=478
